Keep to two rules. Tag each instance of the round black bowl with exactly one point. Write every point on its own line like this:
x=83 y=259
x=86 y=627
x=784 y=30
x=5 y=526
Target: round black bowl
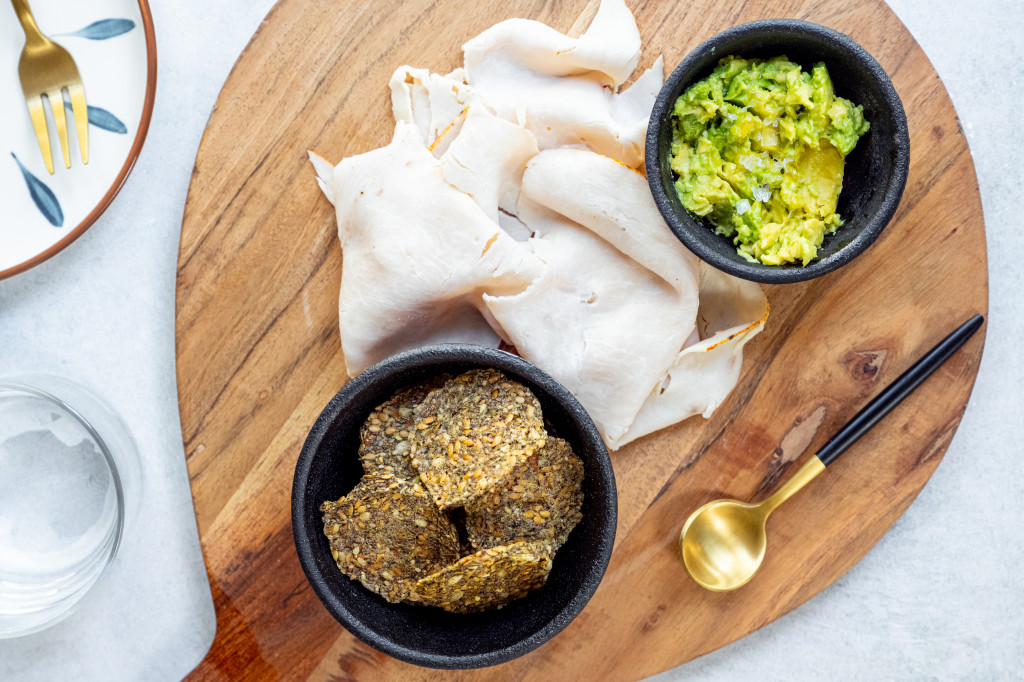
x=876 y=170
x=329 y=467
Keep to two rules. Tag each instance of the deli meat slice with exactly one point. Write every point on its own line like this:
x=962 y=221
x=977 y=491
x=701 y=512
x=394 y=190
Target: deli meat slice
x=486 y=160
x=714 y=314
x=564 y=89
x=615 y=203
x=418 y=254
x=434 y=104
x=732 y=311
x=597 y=321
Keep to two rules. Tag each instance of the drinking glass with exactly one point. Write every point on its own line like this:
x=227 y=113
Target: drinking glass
x=69 y=484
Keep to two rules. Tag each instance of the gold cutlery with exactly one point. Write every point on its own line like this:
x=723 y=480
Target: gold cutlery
x=46 y=68
x=723 y=543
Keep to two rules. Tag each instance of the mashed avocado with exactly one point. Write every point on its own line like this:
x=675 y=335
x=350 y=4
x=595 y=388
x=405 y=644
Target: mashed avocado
x=759 y=148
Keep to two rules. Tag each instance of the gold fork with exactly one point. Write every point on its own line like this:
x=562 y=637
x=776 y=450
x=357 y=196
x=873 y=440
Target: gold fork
x=46 y=68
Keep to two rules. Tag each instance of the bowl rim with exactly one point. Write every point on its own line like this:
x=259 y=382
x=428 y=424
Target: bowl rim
x=681 y=223
x=427 y=356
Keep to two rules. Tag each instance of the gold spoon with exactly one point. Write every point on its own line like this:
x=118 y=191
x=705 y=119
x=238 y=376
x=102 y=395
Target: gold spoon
x=723 y=543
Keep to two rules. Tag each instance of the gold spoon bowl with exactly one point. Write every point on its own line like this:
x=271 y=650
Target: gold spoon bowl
x=723 y=543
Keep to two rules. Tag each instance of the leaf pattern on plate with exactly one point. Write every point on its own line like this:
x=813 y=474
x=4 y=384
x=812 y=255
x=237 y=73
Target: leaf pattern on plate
x=46 y=200
x=103 y=29
x=101 y=118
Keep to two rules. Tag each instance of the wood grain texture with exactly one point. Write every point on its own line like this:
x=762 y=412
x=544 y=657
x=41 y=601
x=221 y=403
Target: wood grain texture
x=259 y=355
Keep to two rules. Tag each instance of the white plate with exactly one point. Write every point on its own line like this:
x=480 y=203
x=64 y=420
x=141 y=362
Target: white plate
x=113 y=44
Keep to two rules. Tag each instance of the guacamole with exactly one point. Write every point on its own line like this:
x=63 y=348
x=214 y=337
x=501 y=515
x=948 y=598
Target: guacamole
x=759 y=148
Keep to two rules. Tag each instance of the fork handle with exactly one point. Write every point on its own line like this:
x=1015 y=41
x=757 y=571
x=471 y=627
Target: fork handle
x=28 y=22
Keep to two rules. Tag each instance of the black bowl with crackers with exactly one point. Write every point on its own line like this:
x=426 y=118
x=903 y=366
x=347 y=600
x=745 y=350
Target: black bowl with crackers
x=454 y=507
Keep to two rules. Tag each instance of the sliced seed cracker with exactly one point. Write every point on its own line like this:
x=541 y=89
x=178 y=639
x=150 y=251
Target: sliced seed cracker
x=488 y=579
x=387 y=533
x=384 y=437
x=471 y=433
x=541 y=502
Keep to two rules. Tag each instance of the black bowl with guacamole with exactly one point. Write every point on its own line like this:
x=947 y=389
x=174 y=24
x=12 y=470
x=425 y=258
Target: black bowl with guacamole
x=752 y=137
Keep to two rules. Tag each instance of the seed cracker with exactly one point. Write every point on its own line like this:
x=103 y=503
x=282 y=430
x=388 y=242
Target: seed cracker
x=472 y=433
x=542 y=501
x=384 y=437
x=486 y=580
x=387 y=533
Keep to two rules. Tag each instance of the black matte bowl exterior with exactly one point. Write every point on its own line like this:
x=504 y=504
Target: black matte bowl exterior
x=329 y=467
x=876 y=170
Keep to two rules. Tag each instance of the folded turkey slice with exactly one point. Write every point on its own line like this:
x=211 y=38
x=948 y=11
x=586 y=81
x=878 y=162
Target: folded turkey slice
x=562 y=88
x=608 y=51
x=596 y=320
x=486 y=160
x=732 y=311
x=418 y=253
x=435 y=105
x=614 y=202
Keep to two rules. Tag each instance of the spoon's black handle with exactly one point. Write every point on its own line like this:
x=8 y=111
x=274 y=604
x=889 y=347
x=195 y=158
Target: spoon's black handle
x=894 y=393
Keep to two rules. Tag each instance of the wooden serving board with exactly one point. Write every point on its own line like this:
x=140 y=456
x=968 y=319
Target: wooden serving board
x=259 y=355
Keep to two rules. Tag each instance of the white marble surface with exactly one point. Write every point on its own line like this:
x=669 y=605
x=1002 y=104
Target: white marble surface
x=940 y=597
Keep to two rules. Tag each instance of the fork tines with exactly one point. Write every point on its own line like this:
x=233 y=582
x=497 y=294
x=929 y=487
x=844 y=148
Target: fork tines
x=81 y=116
